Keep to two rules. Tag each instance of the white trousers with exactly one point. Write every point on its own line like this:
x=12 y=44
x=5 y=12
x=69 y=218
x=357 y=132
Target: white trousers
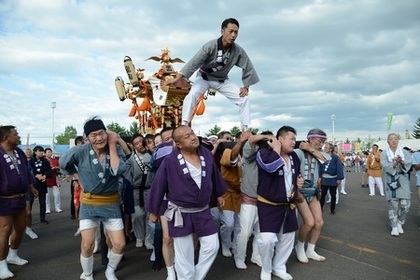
x=248 y=223
x=275 y=250
x=184 y=255
x=53 y=192
x=343 y=184
x=227 y=88
x=337 y=196
x=142 y=227
x=378 y=181
x=418 y=194
x=229 y=224
x=216 y=214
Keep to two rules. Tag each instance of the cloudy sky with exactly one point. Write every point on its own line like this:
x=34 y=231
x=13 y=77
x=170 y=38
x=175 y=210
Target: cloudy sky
x=358 y=60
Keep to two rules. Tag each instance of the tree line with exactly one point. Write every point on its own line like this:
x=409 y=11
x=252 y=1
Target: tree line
x=70 y=132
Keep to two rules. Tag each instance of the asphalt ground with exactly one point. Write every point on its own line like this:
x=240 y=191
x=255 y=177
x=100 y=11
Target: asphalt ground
x=356 y=242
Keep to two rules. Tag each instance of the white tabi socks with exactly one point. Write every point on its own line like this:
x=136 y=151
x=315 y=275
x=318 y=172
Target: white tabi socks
x=300 y=252
x=400 y=229
x=311 y=254
x=31 y=233
x=171 y=273
x=283 y=275
x=394 y=232
x=5 y=273
x=114 y=260
x=265 y=275
x=13 y=258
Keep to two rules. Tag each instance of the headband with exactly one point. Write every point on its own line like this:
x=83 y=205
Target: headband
x=316 y=136
x=93 y=125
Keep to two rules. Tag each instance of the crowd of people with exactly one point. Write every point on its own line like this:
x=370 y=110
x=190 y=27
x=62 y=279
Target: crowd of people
x=175 y=191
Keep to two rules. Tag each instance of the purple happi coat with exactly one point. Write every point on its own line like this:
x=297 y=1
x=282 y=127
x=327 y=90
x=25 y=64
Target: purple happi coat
x=271 y=186
x=173 y=179
x=15 y=179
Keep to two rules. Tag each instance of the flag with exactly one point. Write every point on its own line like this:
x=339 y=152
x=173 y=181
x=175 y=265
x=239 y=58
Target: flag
x=389 y=121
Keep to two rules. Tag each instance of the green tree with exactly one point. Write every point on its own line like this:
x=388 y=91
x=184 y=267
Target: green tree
x=134 y=128
x=254 y=130
x=234 y=130
x=416 y=130
x=369 y=142
x=215 y=130
x=70 y=132
x=117 y=128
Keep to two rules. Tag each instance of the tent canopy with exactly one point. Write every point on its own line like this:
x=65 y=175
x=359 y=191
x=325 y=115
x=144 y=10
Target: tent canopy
x=413 y=144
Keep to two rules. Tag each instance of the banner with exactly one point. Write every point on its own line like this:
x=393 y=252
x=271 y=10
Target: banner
x=389 y=121
x=346 y=147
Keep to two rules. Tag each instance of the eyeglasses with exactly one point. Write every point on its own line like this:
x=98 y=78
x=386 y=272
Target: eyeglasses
x=319 y=140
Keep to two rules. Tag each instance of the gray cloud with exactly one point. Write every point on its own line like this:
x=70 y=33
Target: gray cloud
x=358 y=60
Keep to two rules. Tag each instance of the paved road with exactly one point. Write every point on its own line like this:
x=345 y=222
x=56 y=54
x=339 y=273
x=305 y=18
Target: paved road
x=356 y=242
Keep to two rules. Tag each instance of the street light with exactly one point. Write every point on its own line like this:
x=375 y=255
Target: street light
x=333 y=119
x=53 y=105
